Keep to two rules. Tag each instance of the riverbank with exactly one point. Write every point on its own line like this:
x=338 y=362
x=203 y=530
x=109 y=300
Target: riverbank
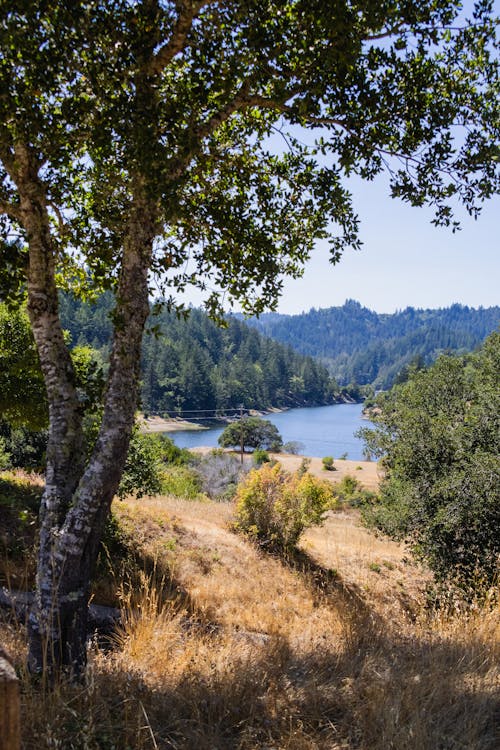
x=314 y=431
x=158 y=424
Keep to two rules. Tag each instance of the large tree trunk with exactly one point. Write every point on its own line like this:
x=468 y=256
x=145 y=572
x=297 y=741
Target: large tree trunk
x=77 y=499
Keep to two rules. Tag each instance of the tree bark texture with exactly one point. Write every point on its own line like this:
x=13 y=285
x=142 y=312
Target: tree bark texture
x=77 y=498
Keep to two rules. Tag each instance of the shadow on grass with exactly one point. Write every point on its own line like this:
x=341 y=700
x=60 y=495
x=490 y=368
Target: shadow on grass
x=274 y=697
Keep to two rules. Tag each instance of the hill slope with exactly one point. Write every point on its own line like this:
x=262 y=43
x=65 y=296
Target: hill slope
x=359 y=345
x=194 y=365
x=224 y=646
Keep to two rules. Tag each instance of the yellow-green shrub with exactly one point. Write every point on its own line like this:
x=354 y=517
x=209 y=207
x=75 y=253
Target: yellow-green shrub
x=276 y=507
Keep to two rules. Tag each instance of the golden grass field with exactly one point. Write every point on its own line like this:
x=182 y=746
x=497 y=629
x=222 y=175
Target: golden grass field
x=225 y=647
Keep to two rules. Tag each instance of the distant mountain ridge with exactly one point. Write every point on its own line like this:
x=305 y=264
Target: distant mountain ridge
x=362 y=346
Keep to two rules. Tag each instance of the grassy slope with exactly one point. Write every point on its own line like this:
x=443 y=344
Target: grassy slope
x=224 y=646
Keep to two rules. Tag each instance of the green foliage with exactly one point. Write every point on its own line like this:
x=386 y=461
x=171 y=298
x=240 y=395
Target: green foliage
x=23 y=399
x=26 y=448
x=328 y=464
x=251 y=432
x=349 y=491
x=275 y=507
x=169 y=453
x=439 y=435
x=183 y=482
x=142 y=474
x=260 y=456
x=4 y=455
x=361 y=347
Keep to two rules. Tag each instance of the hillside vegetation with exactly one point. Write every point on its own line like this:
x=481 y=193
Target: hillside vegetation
x=195 y=365
x=364 y=347
x=225 y=646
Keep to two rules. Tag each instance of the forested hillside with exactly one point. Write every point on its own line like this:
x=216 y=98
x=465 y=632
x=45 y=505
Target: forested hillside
x=194 y=364
x=359 y=345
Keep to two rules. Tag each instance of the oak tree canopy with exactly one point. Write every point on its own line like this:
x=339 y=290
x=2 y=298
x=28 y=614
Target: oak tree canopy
x=206 y=142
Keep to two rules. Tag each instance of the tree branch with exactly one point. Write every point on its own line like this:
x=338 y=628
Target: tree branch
x=12 y=210
x=63 y=227
x=176 y=43
x=242 y=101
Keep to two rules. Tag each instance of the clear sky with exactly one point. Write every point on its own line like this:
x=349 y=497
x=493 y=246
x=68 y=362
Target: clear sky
x=405 y=260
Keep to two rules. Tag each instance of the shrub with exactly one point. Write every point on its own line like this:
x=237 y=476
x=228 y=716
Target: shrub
x=170 y=453
x=260 y=457
x=218 y=474
x=147 y=458
x=182 y=481
x=439 y=436
x=328 y=463
x=275 y=507
x=350 y=492
x=25 y=448
x=143 y=473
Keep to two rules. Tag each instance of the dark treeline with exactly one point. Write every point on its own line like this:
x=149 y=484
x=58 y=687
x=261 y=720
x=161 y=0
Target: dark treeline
x=192 y=364
x=364 y=347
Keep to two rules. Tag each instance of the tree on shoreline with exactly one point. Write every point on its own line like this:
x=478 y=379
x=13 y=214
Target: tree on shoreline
x=251 y=432
x=136 y=142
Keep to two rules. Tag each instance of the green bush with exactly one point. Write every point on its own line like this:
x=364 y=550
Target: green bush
x=155 y=465
x=183 y=482
x=143 y=472
x=275 y=507
x=260 y=457
x=170 y=453
x=328 y=463
x=25 y=448
x=350 y=492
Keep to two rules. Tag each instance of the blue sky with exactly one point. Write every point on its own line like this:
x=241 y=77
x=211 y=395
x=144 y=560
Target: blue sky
x=405 y=260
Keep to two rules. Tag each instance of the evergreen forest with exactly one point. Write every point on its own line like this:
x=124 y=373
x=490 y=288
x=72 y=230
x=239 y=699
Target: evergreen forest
x=364 y=347
x=190 y=365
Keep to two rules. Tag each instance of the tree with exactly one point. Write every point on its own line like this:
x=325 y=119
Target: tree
x=136 y=139
x=23 y=399
x=439 y=435
x=251 y=432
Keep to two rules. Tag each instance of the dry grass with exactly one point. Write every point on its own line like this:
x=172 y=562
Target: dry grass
x=223 y=647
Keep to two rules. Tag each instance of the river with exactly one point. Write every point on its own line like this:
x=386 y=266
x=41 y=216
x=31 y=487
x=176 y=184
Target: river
x=321 y=430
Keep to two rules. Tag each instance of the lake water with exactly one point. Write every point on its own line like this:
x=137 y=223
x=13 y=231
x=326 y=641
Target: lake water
x=322 y=431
